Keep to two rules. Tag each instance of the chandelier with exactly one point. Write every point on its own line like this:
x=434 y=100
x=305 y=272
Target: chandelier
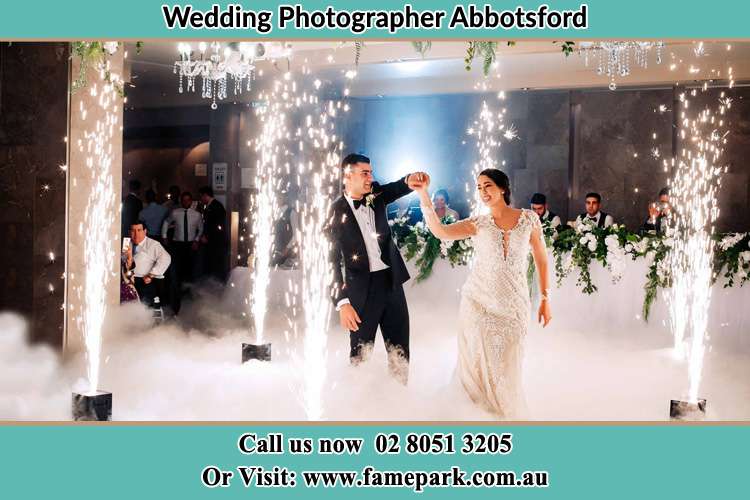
x=214 y=66
x=614 y=58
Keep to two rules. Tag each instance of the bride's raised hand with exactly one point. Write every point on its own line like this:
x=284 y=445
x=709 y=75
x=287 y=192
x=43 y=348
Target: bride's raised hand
x=418 y=181
x=545 y=315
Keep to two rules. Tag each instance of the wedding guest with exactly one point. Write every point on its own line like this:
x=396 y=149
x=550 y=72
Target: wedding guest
x=593 y=214
x=173 y=198
x=657 y=212
x=128 y=292
x=186 y=225
x=173 y=201
x=131 y=206
x=214 y=236
x=441 y=202
x=539 y=205
x=148 y=261
x=153 y=215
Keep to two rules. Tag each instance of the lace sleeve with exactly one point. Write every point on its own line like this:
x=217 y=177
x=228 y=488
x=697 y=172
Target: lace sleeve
x=536 y=222
x=536 y=226
x=457 y=231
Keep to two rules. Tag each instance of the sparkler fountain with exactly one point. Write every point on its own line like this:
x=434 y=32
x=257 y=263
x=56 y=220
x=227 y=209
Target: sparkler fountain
x=300 y=140
x=323 y=171
x=694 y=187
x=488 y=130
x=96 y=233
x=270 y=147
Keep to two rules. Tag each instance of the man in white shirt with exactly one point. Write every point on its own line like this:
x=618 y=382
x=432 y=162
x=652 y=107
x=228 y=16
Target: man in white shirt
x=593 y=213
x=187 y=225
x=148 y=261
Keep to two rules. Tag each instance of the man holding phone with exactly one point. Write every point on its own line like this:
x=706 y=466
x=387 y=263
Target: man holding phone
x=657 y=213
x=148 y=261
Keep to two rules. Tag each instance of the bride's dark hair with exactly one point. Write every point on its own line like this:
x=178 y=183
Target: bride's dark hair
x=500 y=179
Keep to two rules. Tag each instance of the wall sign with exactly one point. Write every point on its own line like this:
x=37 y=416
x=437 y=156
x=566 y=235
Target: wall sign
x=219 y=182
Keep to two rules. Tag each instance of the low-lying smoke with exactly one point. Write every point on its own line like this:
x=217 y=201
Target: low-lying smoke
x=191 y=370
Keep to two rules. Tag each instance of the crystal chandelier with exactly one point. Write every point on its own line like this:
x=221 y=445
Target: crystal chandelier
x=614 y=58
x=215 y=66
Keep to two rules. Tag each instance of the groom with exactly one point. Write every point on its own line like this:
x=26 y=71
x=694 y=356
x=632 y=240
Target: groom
x=367 y=267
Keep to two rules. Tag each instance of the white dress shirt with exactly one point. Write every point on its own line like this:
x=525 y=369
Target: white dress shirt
x=365 y=217
x=555 y=220
x=177 y=218
x=150 y=258
x=608 y=221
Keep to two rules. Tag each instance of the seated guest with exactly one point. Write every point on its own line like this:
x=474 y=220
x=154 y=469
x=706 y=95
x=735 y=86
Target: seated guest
x=657 y=212
x=441 y=201
x=593 y=213
x=148 y=261
x=539 y=205
x=153 y=215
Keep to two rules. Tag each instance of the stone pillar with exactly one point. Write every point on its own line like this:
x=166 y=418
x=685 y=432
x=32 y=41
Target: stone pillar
x=225 y=132
x=84 y=182
x=33 y=125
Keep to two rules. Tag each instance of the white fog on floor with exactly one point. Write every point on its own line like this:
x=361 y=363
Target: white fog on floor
x=597 y=361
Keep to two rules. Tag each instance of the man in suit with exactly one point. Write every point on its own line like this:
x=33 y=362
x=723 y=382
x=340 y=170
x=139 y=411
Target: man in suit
x=214 y=235
x=131 y=207
x=593 y=214
x=368 y=268
x=657 y=213
x=540 y=207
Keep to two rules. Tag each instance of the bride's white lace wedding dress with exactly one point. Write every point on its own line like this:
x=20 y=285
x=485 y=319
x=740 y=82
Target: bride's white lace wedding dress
x=494 y=315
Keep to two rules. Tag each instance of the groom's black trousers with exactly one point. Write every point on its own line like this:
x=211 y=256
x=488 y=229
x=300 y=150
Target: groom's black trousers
x=385 y=307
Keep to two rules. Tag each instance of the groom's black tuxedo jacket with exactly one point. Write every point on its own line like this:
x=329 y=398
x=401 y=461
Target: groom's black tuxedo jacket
x=351 y=267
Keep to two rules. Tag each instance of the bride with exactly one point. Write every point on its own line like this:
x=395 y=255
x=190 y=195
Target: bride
x=494 y=310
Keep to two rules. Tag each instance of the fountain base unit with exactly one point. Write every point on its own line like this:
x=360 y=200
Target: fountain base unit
x=260 y=352
x=686 y=410
x=95 y=406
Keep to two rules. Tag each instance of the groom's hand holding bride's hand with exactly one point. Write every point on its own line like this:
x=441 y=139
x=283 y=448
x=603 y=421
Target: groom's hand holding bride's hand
x=349 y=318
x=418 y=181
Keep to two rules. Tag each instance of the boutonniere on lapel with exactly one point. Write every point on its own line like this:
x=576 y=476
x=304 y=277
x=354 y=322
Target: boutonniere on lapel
x=370 y=199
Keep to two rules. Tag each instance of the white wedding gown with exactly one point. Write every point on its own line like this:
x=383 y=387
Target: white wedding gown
x=494 y=314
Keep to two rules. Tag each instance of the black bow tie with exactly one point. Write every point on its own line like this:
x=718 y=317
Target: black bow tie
x=359 y=203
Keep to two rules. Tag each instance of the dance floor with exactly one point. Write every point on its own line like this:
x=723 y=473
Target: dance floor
x=598 y=361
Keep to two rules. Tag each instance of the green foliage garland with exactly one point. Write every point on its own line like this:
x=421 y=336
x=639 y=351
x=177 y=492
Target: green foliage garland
x=573 y=248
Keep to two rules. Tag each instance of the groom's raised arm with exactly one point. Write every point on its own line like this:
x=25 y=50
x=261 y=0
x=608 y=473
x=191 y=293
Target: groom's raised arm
x=394 y=190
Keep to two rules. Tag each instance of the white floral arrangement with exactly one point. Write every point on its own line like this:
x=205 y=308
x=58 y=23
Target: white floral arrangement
x=418 y=244
x=577 y=247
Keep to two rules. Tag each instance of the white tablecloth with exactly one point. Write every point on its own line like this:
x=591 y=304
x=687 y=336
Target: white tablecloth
x=614 y=310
